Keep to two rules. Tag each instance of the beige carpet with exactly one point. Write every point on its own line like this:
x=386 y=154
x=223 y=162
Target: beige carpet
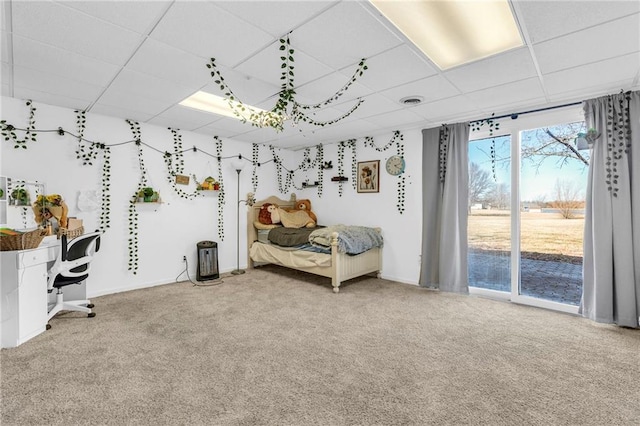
x=277 y=347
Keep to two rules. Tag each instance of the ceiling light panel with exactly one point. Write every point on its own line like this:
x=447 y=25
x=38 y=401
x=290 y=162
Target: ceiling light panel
x=453 y=33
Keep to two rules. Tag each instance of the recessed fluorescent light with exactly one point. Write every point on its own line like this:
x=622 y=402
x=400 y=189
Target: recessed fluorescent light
x=218 y=105
x=453 y=32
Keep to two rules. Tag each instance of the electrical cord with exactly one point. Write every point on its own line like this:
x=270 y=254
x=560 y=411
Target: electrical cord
x=195 y=284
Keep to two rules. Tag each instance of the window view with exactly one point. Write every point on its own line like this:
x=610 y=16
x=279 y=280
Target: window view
x=552 y=188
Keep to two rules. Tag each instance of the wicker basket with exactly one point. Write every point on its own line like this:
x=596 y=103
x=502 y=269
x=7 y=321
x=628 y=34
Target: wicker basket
x=24 y=241
x=70 y=234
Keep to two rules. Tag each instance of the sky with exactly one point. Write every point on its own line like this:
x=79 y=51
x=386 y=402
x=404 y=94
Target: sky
x=534 y=184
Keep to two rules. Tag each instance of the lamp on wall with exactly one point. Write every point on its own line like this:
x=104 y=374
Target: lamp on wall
x=238 y=165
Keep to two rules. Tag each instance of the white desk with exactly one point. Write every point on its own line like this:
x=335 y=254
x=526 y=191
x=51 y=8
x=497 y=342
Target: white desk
x=23 y=292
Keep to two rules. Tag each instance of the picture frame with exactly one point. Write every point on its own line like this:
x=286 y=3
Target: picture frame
x=368 y=176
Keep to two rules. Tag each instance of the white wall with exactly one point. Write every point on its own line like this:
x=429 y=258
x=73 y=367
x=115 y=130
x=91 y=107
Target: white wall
x=166 y=232
x=171 y=230
x=402 y=232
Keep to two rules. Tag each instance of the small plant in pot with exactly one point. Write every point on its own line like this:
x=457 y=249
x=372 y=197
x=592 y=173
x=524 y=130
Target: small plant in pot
x=20 y=197
x=148 y=194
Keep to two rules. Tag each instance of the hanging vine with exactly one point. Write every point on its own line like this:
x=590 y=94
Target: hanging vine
x=9 y=131
x=354 y=170
x=493 y=126
x=133 y=213
x=221 y=199
x=398 y=140
x=618 y=138
x=255 y=150
x=87 y=152
x=319 y=161
x=442 y=149
x=105 y=212
x=177 y=167
x=281 y=111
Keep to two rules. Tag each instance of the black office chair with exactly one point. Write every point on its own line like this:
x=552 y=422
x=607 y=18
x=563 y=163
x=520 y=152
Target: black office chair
x=72 y=266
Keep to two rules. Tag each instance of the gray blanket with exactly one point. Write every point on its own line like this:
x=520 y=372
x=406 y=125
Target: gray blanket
x=351 y=239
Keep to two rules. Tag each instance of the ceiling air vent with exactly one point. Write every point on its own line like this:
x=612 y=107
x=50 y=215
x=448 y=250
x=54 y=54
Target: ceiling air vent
x=411 y=100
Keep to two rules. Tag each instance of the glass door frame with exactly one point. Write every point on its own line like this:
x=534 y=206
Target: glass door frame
x=514 y=127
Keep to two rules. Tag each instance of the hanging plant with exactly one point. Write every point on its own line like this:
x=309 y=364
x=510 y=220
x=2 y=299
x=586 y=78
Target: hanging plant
x=341 y=147
x=9 y=131
x=398 y=140
x=318 y=162
x=254 y=161
x=177 y=167
x=105 y=211
x=618 y=138
x=133 y=213
x=493 y=126
x=87 y=152
x=221 y=196
x=286 y=107
x=442 y=148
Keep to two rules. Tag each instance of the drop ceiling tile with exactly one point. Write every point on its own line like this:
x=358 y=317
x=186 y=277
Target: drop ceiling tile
x=205 y=30
x=430 y=88
x=119 y=112
x=326 y=87
x=267 y=66
x=407 y=66
x=70 y=29
x=275 y=17
x=188 y=115
x=54 y=84
x=133 y=101
x=249 y=90
x=619 y=71
x=604 y=41
x=48 y=59
x=6 y=90
x=345 y=131
x=454 y=109
x=355 y=34
x=523 y=92
x=6 y=73
x=162 y=121
x=138 y=16
x=507 y=67
x=373 y=105
x=50 y=99
x=545 y=20
x=149 y=86
x=395 y=119
x=168 y=63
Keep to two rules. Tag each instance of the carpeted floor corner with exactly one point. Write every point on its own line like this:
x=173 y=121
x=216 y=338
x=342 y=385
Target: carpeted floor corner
x=278 y=347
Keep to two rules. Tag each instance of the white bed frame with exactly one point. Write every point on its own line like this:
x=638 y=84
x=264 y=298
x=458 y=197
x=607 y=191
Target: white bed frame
x=343 y=267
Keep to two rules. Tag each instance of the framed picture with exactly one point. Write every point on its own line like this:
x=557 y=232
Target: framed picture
x=369 y=176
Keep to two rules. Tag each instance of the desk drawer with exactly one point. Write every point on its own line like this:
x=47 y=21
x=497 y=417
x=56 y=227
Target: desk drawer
x=37 y=256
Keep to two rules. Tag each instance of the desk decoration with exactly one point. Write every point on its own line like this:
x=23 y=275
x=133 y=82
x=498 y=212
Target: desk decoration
x=49 y=207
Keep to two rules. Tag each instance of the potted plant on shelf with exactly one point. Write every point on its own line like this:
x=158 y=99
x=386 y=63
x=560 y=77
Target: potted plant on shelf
x=20 y=197
x=209 y=184
x=148 y=195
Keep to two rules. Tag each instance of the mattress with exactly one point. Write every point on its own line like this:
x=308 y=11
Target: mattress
x=270 y=253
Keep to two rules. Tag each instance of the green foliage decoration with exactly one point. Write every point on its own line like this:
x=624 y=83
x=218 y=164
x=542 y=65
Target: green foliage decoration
x=86 y=151
x=221 y=196
x=105 y=211
x=398 y=140
x=177 y=167
x=9 y=131
x=354 y=169
x=133 y=213
x=255 y=152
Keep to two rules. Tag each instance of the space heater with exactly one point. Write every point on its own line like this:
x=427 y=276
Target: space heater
x=207 y=261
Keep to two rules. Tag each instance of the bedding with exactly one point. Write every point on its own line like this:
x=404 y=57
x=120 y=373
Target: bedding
x=290 y=237
x=351 y=239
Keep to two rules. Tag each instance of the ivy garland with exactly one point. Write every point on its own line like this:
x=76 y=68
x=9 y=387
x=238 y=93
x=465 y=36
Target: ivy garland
x=286 y=96
x=319 y=161
x=179 y=166
x=493 y=126
x=398 y=139
x=86 y=152
x=254 y=160
x=133 y=213
x=105 y=213
x=9 y=131
x=618 y=138
x=442 y=149
x=354 y=169
x=221 y=200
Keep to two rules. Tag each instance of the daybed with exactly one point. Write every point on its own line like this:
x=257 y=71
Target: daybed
x=335 y=265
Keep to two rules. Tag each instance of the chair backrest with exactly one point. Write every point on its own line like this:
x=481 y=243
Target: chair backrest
x=75 y=256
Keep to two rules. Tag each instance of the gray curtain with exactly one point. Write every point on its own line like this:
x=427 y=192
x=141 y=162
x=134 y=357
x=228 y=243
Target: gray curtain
x=611 y=268
x=445 y=188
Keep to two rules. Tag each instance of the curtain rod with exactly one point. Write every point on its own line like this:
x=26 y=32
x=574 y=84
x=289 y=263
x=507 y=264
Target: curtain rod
x=515 y=115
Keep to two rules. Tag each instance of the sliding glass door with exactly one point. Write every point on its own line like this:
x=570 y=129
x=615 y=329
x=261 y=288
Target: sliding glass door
x=526 y=216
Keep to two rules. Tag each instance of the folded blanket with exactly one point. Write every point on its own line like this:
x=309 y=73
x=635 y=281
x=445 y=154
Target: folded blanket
x=351 y=239
x=295 y=219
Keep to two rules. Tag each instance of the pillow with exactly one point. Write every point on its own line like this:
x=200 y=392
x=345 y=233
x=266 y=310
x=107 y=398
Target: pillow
x=259 y=225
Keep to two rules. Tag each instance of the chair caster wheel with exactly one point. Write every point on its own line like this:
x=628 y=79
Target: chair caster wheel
x=90 y=305
x=48 y=326
x=91 y=314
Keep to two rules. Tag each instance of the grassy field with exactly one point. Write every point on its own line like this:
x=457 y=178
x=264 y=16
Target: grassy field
x=546 y=236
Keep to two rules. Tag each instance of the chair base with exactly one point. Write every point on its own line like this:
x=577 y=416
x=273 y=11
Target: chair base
x=72 y=305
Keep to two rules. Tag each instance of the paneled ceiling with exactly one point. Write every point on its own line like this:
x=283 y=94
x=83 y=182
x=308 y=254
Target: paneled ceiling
x=138 y=60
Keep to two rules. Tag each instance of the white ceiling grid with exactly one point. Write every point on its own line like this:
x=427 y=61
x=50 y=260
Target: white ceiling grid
x=139 y=59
